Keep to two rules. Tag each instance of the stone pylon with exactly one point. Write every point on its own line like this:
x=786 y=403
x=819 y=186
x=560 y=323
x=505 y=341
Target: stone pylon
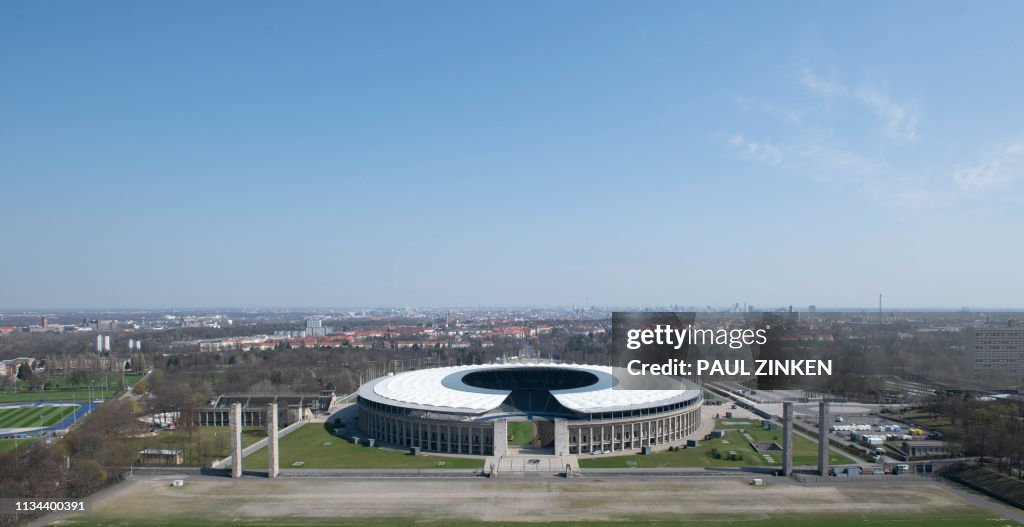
x=787 y=438
x=273 y=461
x=823 y=427
x=236 y=440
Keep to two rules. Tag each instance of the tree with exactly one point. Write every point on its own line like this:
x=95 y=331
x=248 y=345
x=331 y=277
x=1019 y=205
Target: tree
x=78 y=377
x=25 y=372
x=141 y=387
x=85 y=477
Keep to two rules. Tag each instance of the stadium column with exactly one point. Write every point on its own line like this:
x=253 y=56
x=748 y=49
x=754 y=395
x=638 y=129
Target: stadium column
x=561 y=437
x=823 y=425
x=787 y=438
x=501 y=437
x=273 y=461
x=236 y=440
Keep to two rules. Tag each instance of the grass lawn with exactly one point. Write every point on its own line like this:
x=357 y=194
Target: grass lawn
x=63 y=382
x=805 y=451
x=315 y=447
x=209 y=443
x=7 y=445
x=60 y=388
x=79 y=395
x=927 y=420
x=960 y=518
x=52 y=395
x=520 y=433
x=34 y=416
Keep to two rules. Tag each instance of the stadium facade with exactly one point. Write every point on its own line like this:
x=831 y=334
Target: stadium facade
x=575 y=410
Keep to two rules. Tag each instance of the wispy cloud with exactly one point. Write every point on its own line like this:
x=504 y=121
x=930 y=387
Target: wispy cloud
x=763 y=152
x=828 y=162
x=817 y=84
x=998 y=172
x=822 y=150
x=899 y=123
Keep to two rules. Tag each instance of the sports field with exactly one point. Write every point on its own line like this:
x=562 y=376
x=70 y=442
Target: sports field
x=62 y=389
x=315 y=447
x=34 y=416
x=554 y=503
x=520 y=433
x=805 y=451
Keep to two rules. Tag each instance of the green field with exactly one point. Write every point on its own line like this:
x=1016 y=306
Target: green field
x=966 y=518
x=315 y=447
x=33 y=416
x=63 y=382
x=520 y=433
x=207 y=444
x=805 y=451
x=53 y=395
x=60 y=388
x=7 y=445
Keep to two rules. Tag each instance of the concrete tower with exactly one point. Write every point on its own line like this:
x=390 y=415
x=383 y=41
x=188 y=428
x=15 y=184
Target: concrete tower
x=501 y=437
x=823 y=425
x=561 y=437
x=787 y=438
x=236 y=440
x=273 y=461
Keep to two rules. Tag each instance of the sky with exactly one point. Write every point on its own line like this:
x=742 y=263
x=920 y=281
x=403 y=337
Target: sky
x=198 y=154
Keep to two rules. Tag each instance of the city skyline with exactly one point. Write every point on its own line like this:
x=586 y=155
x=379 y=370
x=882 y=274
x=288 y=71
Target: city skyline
x=495 y=154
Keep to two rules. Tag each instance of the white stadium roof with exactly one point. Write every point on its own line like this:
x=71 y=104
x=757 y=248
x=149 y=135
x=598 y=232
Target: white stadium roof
x=442 y=389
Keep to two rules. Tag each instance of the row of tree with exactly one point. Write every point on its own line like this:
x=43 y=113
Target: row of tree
x=96 y=453
x=992 y=430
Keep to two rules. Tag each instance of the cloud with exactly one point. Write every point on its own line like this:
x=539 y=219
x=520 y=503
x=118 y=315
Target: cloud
x=763 y=152
x=899 y=123
x=828 y=162
x=823 y=86
x=843 y=157
x=1002 y=168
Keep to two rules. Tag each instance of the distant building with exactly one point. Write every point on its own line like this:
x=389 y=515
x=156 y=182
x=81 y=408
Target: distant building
x=298 y=406
x=103 y=325
x=157 y=456
x=9 y=368
x=917 y=449
x=315 y=328
x=996 y=351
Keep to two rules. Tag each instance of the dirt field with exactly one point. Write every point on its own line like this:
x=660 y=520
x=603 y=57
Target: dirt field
x=522 y=500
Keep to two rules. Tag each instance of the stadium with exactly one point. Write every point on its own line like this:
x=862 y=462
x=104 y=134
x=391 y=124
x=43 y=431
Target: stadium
x=543 y=408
